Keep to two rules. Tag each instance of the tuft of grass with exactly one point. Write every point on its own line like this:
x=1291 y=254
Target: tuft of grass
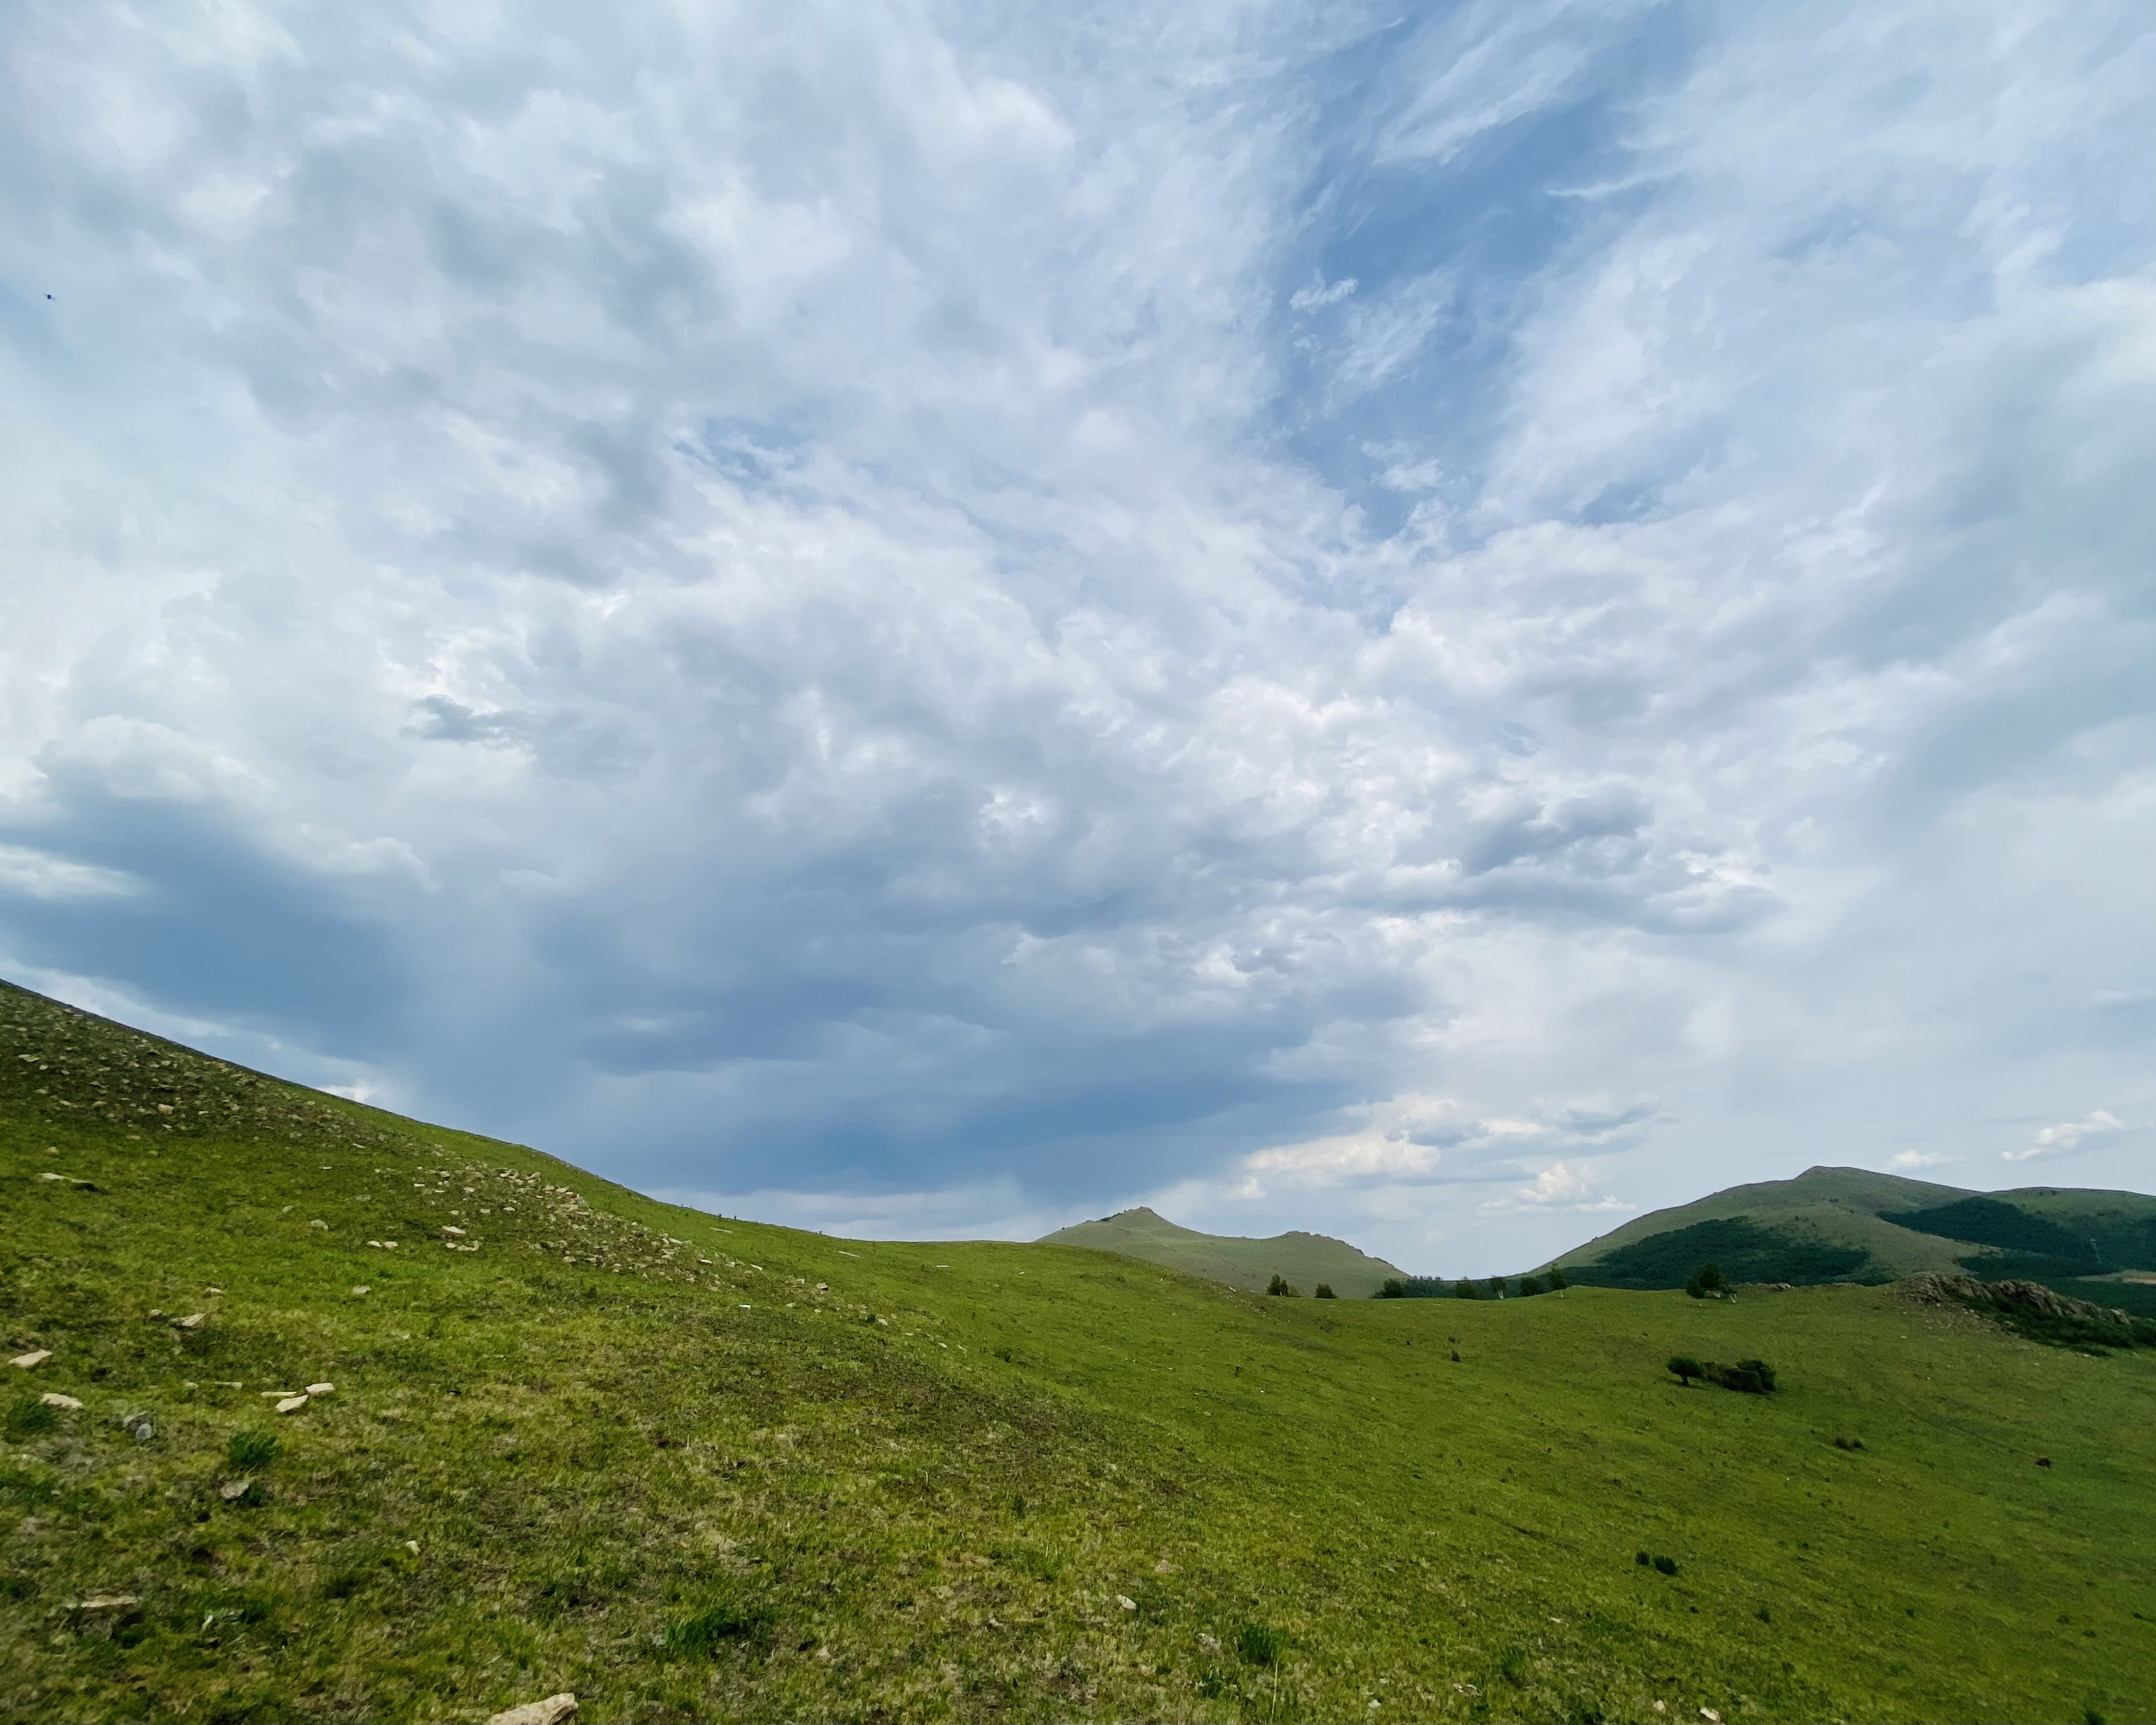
x=716 y=1625
x=251 y=1451
x=28 y=1417
x=1260 y=1644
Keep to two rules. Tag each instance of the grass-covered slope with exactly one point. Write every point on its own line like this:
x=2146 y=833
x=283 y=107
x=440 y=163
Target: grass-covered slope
x=1836 y=1224
x=690 y=1469
x=1305 y=1260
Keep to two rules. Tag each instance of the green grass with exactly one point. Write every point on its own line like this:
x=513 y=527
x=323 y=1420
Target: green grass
x=1303 y=1260
x=714 y=1470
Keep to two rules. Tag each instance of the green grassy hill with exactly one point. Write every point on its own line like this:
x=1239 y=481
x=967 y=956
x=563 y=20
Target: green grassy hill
x=1846 y=1224
x=1305 y=1259
x=693 y=1469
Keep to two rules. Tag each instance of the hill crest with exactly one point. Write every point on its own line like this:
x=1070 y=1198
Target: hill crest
x=1305 y=1259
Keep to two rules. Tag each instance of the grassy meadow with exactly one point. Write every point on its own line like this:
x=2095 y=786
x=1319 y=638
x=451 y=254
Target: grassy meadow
x=691 y=1468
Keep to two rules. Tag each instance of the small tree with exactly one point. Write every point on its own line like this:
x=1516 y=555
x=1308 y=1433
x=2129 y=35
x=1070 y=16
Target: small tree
x=1557 y=1281
x=1325 y=1292
x=1496 y=1287
x=1279 y=1285
x=1530 y=1286
x=1467 y=1289
x=1394 y=1288
x=1707 y=1282
x=1686 y=1369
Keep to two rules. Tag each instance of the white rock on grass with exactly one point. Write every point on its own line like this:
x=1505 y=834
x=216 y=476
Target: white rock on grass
x=37 y=1356
x=321 y=1389
x=551 y=1711
x=192 y=1320
x=232 y=1490
x=105 y=1602
x=291 y=1405
x=54 y=1399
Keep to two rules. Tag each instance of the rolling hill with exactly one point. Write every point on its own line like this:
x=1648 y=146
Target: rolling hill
x=1305 y=1259
x=324 y=1414
x=1846 y=1224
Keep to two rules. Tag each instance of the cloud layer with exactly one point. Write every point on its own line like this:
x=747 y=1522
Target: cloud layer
x=934 y=621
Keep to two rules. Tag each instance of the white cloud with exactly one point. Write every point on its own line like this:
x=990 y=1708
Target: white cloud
x=1910 y=1161
x=2069 y=1136
x=1560 y=1186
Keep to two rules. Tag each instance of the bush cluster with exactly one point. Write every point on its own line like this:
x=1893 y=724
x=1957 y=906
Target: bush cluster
x=1279 y=1286
x=1752 y=1376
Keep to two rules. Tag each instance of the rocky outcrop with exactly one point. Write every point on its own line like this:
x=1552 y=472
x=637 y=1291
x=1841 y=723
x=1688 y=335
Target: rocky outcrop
x=2036 y=1310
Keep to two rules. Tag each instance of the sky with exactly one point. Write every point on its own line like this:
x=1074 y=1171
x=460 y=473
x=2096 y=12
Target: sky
x=1442 y=624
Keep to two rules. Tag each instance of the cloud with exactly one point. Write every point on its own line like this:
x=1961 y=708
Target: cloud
x=1910 y=1161
x=969 y=617
x=1561 y=1186
x=2069 y=1136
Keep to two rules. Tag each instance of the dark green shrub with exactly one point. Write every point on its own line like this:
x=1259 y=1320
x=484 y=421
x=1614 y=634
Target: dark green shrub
x=1707 y=1282
x=1259 y=1644
x=1394 y=1288
x=1753 y=1376
x=1496 y=1287
x=251 y=1451
x=28 y=1417
x=1530 y=1286
x=1686 y=1368
x=1557 y=1281
x=1643 y=1559
x=1848 y=1443
x=1467 y=1289
x=1325 y=1292
x=1665 y=1566
x=1511 y=1662
x=1279 y=1285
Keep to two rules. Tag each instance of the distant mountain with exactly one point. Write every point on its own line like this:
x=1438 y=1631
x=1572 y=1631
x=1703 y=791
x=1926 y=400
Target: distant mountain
x=1305 y=1259
x=1847 y=1224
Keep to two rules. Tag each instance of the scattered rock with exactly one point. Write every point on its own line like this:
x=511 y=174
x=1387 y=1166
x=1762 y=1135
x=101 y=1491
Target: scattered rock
x=363 y=1291
x=49 y=1175
x=156 y=1311
x=232 y=1490
x=36 y=1358
x=1127 y=1603
x=54 y=1399
x=1208 y=1644
x=139 y=1426
x=448 y=1229
x=291 y=1405
x=1711 y=1716
x=321 y=1389
x=104 y=1602
x=1163 y=1567
x=551 y=1711
x=319 y=1223
x=192 y=1320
